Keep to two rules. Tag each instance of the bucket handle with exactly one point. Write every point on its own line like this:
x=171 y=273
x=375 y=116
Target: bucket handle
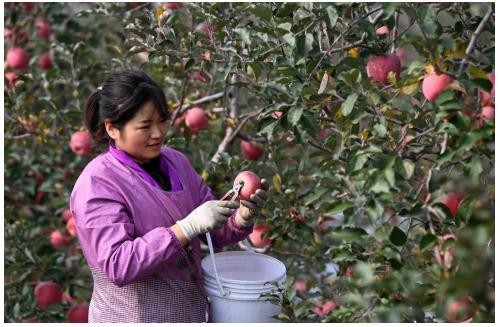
x=212 y=255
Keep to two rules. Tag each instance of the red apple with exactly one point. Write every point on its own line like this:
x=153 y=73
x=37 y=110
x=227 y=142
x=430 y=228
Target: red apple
x=45 y=61
x=12 y=78
x=379 y=67
x=67 y=215
x=382 y=30
x=325 y=308
x=256 y=236
x=460 y=310
x=196 y=120
x=28 y=6
x=48 y=293
x=71 y=226
x=349 y=272
x=81 y=143
x=251 y=151
x=251 y=184
x=172 y=5
x=300 y=286
x=488 y=112
x=206 y=28
x=17 y=58
x=452 y=201
x=434 y=85
x=58 y=240
x=323 y=133
x=43 y=28
x=79 y=313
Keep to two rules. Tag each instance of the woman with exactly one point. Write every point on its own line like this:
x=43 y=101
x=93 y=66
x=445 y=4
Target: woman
x=141 y=210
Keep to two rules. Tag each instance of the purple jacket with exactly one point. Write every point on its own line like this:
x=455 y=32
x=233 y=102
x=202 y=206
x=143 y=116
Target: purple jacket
x=123 y=217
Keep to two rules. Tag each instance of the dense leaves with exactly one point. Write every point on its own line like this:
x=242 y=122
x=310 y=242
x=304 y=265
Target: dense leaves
x=359 y=169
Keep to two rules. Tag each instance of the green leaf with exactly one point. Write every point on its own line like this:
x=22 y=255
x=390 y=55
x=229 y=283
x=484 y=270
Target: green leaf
x=263 y=12
x=348 y=104
x=401 y=104
x=337 y=207
x=304 y=45
x=382 y=233
x=244 y=34
x=294 y=115
x=447 y=95
x=285 y=26
x=390 y=176
x=348 y=234
x=472 y=138
x=331 y=16
x=189 y=64
x=289 y=39
x=324 y=83
x=315 y=195
x=405 y=168
x=427 y=240
x=380 y=186
x=398 y=237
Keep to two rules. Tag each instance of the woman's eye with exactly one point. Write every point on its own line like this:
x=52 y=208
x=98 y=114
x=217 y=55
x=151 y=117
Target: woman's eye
x=144 y=127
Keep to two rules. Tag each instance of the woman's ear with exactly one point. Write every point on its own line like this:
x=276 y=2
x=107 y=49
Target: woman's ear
x=112 y=131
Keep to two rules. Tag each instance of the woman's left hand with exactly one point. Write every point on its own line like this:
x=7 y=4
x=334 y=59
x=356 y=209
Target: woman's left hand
x=249 y=209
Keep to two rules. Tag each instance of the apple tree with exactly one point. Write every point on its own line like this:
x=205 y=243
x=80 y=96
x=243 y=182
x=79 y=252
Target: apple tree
x=373 y=122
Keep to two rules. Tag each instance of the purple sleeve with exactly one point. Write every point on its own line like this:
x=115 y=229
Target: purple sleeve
x=107 y=235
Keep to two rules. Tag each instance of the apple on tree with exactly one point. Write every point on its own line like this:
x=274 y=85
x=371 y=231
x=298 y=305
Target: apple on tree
x=251 y=183
x=81 y=143
x=325 y=308
x=17 y=58
x=58 y=240
x=43 y=28
x=196 y=120
x=79 y=313
x=434 y=84
x=379 y=67
x=45 y=61
x=382 y=30
x=71 y=226
x=48 y=293
x=251 y=151
x=453 y=201
x=460 y=310
x=256 y=237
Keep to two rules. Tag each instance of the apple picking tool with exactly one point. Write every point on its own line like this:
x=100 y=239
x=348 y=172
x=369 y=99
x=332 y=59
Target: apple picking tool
x=232 y=194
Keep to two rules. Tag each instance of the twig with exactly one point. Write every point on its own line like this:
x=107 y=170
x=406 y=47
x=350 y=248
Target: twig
x=186 y=106
x=473 y=40
x=350 y=46
x=283 y=43
x=395 y=31
x=18 y=137
x=338 y=38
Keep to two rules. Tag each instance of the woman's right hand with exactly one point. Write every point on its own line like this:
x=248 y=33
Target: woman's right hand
x=207 y=217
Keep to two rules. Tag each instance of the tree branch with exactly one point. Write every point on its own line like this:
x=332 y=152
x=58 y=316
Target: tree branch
x=473 y=40
x=338 y=38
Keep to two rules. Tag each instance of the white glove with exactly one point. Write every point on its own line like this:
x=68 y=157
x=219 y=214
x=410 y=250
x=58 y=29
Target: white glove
x=207 y=217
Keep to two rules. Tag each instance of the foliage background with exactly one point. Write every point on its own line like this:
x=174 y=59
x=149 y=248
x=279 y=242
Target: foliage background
x=364 y=194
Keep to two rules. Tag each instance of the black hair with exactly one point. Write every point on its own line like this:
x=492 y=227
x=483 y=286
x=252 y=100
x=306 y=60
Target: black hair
x=119 y=99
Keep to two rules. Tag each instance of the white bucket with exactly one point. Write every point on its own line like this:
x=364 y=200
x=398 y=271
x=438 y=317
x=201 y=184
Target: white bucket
x=244 y=277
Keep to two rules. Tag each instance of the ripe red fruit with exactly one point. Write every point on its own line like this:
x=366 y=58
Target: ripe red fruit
x=205 y=28
x=66 y=215
x=81 y=143
x=460 y=310
x=17 y=58
x=382 y=30
x=251 y=184
x=43 y=28
x=28 y=6
x=71 y=226
x=433 y=85
x=45 y=61
x=196 y=120
x=172 y=5
x=251 y=151
x=379 y=67
x=452 y=201
x=58 y=240
x=12 y=78
x=79 y=313
x=48 y=293
x=300 y=286
x=256 y=236
x=324 y=308
x=488 y=112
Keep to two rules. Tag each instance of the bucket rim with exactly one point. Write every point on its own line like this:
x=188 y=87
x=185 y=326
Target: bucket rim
x=207 y=261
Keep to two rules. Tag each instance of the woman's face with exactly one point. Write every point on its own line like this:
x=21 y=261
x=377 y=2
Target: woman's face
x=142 y=136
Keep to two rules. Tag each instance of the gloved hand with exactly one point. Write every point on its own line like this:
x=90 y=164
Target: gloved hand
x=207 y=217
x=249 y=209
